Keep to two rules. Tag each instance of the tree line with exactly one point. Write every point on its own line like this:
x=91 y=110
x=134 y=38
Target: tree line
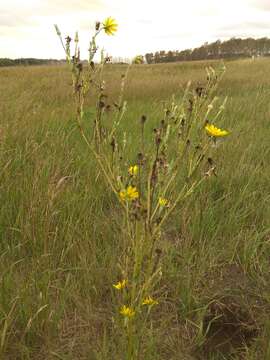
x=230 y=49
x=29 y=61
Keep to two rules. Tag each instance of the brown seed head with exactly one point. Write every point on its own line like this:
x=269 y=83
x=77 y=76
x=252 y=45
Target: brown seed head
x=143 y=119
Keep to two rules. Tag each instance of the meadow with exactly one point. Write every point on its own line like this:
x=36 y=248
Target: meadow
x=60 y=225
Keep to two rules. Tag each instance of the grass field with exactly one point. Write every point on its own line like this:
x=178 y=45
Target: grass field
x=60 y=238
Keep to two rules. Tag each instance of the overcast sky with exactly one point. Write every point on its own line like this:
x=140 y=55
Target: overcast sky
x=26 y=26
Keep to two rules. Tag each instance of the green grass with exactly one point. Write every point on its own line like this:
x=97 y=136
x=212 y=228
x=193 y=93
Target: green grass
x=60 y=235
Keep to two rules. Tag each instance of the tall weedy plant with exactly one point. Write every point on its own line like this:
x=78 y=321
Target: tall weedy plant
x=167 y=169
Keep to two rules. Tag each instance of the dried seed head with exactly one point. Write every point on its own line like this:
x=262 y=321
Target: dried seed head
x=92 y=64
x=158 y=252
x=144 y=213
x=158 y=140
x=113 y=144
x=210 y=161
x=199 y=91
x=78 y=87
x=80 y=66
x=143 y=119
x=97 y=25
x=140 y=157
x=190 y=108
x=101 y=104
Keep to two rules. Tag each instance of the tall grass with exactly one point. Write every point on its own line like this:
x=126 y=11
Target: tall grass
x=59 y=224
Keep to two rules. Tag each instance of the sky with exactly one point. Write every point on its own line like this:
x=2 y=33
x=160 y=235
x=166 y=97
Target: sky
x=26 y=26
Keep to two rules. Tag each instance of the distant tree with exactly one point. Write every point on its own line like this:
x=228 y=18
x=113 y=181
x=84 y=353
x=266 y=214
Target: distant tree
x=149 y=58
x=170 y=56
x=157 y=57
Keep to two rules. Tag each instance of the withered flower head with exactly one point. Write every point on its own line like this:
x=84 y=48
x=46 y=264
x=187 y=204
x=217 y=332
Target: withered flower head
x=80 y=66
x=113 y=144
x=143 y=119
x=92 y=64
x=68 y=39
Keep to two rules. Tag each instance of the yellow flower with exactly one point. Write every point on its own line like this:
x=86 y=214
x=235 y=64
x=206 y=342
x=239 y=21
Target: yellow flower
x=110 y=26
x=127 y=311
x=133 y=170
x=214 y=131
x=149 y=301
x=120 y=285
x=162 y=201
x=129 y=194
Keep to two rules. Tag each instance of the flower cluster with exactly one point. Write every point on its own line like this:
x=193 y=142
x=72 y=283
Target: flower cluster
x=110 y=26
x=133 y=170
x=212 y=130
x=120 y=285
x=127 y=311
x=149 y=301
x=129 y=194
x=162 y=202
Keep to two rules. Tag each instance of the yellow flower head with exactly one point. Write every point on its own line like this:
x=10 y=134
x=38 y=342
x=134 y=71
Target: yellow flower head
x=133 y=170
x=149 y=301
x=127 y=311
x=129 y=194
x=120 y=285
x=110 y=26
x=162 y=201
x=214 y=131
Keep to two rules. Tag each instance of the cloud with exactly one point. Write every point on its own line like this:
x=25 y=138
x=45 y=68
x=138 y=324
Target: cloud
x=31 y=10
x=244 y=29
x=248 y=25
x=53 y=7
x=8 y=20
x=26 y=26
x=144 y=21
x=260 y=4
x=174 y=35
